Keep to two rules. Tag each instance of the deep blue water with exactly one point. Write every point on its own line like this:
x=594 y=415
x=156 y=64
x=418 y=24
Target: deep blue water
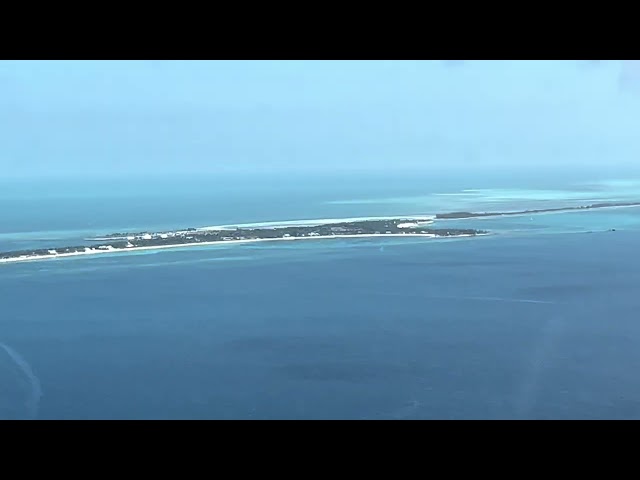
x=510 y=326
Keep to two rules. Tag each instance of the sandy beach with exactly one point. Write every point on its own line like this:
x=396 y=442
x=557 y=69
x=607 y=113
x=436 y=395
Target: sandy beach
x=224 y=242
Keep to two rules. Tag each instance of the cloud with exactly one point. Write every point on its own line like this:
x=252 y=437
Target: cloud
x=629 y=72
x=629 y=79
x=453 y=63
x=590 y=64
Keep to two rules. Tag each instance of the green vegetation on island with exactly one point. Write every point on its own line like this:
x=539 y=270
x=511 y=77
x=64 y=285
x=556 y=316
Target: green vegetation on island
x=192 y=236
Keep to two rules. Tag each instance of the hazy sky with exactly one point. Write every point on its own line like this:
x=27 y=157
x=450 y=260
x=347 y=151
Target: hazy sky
x=128 y=117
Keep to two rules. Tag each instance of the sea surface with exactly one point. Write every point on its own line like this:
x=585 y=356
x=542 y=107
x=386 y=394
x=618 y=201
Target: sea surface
x=536 y=321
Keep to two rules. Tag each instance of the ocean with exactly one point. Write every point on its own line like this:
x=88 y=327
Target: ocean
x=537 y=321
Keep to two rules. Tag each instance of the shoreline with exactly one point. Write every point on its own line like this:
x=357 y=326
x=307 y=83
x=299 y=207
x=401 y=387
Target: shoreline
x=230 y=242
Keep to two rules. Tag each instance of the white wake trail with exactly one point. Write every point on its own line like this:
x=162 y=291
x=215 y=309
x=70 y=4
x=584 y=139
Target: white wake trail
x=406 y=411
x=409 y=409
x=495 y=299
x=514 y=300
x=33 y=401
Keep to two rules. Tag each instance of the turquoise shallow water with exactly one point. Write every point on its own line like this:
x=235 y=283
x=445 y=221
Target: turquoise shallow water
x=537 y=321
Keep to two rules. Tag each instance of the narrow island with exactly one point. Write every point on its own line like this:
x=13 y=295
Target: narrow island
x=119 y=242
x=460 y=215
x=417 y=226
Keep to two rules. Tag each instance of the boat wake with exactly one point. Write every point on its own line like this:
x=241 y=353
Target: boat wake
x=405 y=412
x=497 y=299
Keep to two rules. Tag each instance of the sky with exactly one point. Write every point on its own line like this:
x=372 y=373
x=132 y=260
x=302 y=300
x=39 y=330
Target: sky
x=124 y=118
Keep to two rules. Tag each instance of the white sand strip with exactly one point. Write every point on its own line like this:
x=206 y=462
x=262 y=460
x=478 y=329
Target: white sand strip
x=318 y=222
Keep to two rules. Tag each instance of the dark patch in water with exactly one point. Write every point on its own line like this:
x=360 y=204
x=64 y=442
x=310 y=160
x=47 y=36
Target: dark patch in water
x=292 y=344
x=351 y=372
